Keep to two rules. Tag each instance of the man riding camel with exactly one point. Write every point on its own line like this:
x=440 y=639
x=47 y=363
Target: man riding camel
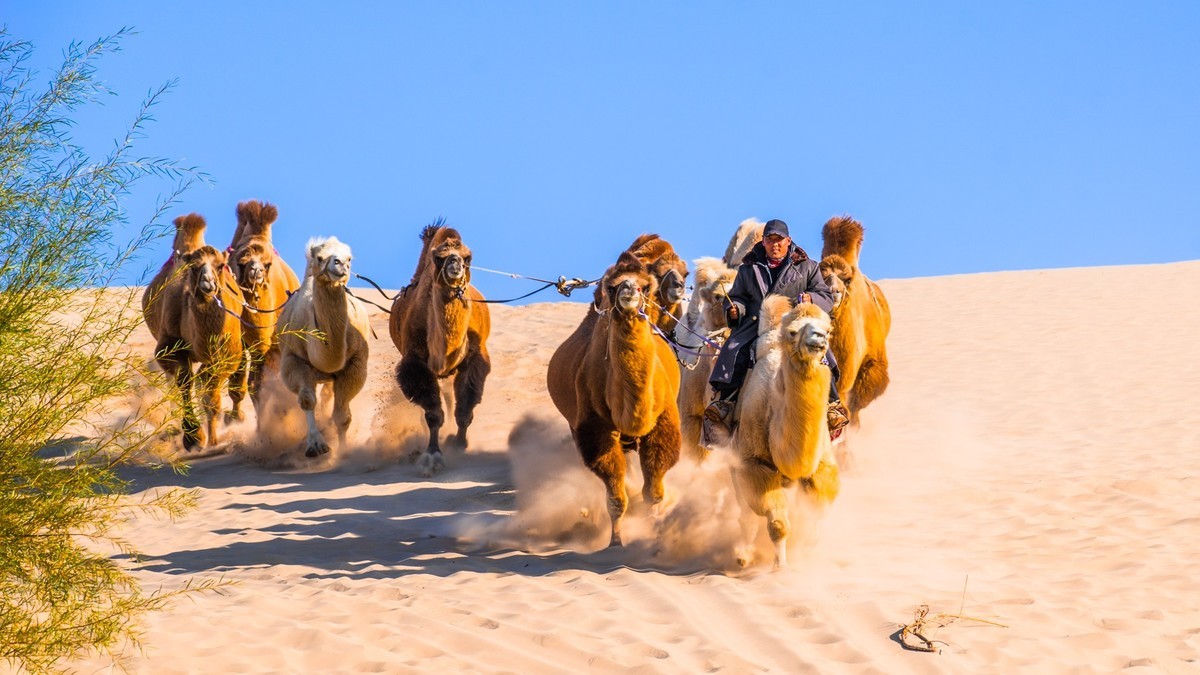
x=774 y=265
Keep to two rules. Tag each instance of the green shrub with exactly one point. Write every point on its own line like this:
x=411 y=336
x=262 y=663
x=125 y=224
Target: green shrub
x=62 y=356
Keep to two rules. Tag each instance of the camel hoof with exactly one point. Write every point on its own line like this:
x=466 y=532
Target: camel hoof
x=234 y=415
x=316 y=449
x=456 y=443
x=431 y=463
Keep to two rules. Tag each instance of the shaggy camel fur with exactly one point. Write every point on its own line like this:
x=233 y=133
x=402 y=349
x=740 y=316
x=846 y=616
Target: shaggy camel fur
x=616 y=383
x=748 y=233
x=266 y=281
x=705 y=317
x=783 y=435
x=323 y=338
x=861 y=317
x=193 y=316
x=441 y=326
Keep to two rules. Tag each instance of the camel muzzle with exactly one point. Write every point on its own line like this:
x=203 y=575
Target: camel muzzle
x=454 y=268
x=629 y=298
x=255 y=273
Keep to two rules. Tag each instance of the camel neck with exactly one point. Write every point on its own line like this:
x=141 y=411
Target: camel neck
x=446 y=326
x=632 y=358
x=330 y=308
x=804 y=425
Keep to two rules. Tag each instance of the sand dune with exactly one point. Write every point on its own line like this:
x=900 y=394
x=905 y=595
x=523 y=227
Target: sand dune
x=1037 y=448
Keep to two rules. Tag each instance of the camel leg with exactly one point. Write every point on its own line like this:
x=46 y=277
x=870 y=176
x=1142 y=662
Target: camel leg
x=238 y=385
x=659 y=452
x=345 y=387
x=209 y=383
x=173 y=359
x=299 y=377
x=870 y=384
x=761 y=487
x=597 y=441
x=468 y=392
x=420 y=386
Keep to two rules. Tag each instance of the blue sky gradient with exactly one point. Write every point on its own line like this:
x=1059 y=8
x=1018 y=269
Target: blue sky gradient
x=967 y=137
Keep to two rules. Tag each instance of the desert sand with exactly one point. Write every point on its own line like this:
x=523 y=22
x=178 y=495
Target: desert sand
x=1035 y=463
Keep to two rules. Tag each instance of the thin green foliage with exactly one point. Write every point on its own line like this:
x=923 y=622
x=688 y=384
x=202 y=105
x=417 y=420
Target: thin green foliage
x=62 y=357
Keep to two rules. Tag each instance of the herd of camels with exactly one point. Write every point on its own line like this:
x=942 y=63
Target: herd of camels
x=633 y=377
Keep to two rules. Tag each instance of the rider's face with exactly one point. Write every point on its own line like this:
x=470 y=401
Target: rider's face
x=776 y=246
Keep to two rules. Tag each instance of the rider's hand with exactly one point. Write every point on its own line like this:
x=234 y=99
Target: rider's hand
x=732 y=313
x=804 y=297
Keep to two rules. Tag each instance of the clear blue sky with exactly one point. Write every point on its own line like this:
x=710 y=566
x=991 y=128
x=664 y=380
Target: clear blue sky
x=968 y=137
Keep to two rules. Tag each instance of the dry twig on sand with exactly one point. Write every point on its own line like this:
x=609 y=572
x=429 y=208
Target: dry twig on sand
x=922 y=622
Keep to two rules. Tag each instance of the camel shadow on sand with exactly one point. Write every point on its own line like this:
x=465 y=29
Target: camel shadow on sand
x=382 y=524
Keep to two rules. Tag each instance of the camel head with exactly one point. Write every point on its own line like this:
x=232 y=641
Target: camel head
x=627 y=286
x=205 y=269
x=713 y=281
x=837 y=274
x=253 y=263
x=668 y=268
x=451 y=258
x=328 y=261
x=805 y=331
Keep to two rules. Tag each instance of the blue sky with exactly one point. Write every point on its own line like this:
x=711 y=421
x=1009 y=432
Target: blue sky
x=967 y=137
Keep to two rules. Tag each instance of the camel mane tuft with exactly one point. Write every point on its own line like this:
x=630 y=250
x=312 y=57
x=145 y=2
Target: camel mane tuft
x=837 y=265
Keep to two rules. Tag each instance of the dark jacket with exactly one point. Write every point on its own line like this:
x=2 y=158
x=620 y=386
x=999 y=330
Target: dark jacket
x=800 y=274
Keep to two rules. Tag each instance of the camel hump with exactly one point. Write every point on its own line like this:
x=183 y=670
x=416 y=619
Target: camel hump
x=708 y=270
x=748 y=233
x=254 y=218
x=774 y=307
x=842 y=235
x=651 y=247
x=189 y=232
x=836 y=265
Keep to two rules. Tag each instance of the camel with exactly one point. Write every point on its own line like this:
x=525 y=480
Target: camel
x=266 y=282
x=783 y=434
x=748 y=233
x=440 y=324
x=861 y=317
x=705 y=317
x=323 y=338
x=193 y=316
x=616 y=383
x=189 y=236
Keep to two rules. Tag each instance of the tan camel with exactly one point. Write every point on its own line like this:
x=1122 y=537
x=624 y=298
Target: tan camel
x=323 y=338
x=441 y=326
x=616 y=383
x=748 y=233
x=266 y=282
x=705 y=319
x=783 y=435
x=193 y=316
x=861 y=317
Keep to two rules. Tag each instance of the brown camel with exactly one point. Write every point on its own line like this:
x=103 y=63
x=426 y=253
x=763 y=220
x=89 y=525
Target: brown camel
x=861 y=317
x=440 y=324
x=266 y=282
x=193 y=316
x=616 y=383
x=189 y=236
x=323 y=338
x=705 y=318
x=783 y=435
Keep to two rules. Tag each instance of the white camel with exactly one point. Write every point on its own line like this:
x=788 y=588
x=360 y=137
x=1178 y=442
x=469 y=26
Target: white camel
x=323 y=338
